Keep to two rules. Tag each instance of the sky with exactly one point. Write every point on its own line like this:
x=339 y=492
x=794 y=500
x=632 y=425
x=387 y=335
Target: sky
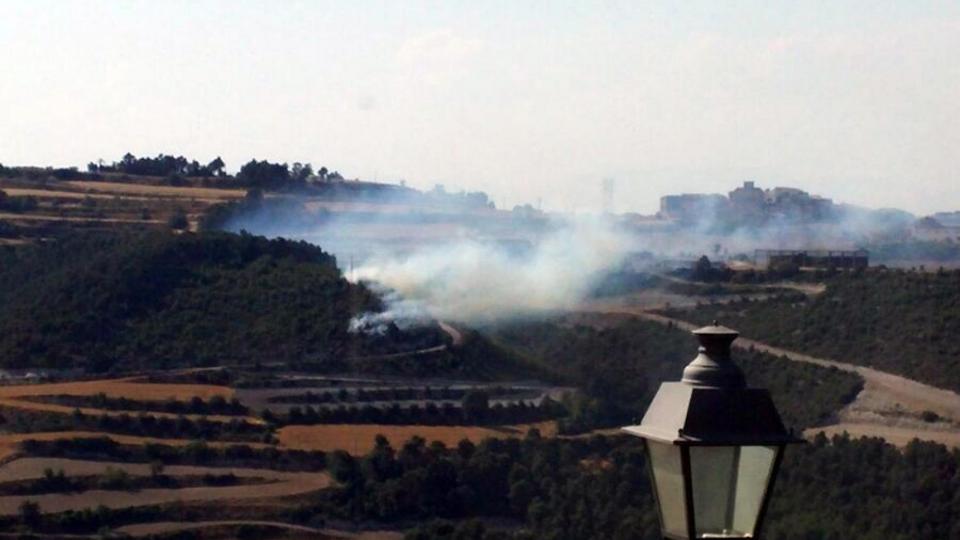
x=529 y=101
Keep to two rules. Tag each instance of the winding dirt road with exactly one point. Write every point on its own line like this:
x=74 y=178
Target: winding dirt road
x=455 y=335
x=889 y=406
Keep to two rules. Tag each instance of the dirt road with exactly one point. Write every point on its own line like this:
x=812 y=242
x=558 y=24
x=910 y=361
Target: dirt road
x=455 y=335
x=889 y=406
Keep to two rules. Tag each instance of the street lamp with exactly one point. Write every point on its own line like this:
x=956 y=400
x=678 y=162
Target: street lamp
x=713 y=446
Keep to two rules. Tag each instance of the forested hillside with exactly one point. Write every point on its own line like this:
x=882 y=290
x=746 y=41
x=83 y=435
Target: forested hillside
x=599 y=489
x=620 y=366
x=897 y=321
x=135 y=301
x=156 y=300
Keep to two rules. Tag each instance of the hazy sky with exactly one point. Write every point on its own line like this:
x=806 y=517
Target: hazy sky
x=859 y=101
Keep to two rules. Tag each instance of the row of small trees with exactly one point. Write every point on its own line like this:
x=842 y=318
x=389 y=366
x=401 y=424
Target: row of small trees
x=253 y=174
x=388 y=394
x=146 y=425
x=17 y=204
x=196 y=405
x=474 y=410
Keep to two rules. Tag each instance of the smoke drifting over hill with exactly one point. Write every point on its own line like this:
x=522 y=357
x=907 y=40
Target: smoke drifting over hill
x=443 y=255
x=435 y=255
x=477 y=281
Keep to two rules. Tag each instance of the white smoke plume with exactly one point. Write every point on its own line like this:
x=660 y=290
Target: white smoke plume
x=474 y=281
x=432 y=259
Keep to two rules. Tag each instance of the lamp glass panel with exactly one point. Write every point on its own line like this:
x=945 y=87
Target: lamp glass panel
x=667 y=468
x=729 y=483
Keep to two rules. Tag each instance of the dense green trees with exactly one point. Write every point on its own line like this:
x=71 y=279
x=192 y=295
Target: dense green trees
x=176 y=170
x=595 y=488
x=17 y=204
x=141 y=424
x=395 y=393
x=216 y=405
x=599 y=488
x=896 y=321
x=195 y=453
x=162 y=165
x=264 y=175
x=115 y=480
x=156 y=300
x=619 y=367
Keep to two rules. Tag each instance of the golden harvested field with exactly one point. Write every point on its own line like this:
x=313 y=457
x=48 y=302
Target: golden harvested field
x=60 y=194
x=358 y=439
x=157 y=191
x=126 y=388
x=130 y=388
x=39 y=217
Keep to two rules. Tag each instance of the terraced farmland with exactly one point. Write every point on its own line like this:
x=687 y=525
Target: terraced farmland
x=282 y=484
x=106 y=435
x=358 y=439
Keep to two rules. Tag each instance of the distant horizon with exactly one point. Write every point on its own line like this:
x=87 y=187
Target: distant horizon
x=853 y=100
x=348 y=177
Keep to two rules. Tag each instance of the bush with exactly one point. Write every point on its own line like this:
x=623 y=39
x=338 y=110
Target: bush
x=178 y=221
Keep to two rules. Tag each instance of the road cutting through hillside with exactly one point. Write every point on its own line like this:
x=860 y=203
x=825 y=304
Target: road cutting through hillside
x=889 y=406
x=456 y=336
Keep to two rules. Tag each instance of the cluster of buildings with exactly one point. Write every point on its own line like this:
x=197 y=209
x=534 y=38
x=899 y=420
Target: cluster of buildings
x=746 y=204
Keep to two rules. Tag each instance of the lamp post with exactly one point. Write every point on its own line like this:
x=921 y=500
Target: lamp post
x=713 y=446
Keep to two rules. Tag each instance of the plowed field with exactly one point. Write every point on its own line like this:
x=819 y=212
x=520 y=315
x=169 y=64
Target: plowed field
x=358 y=439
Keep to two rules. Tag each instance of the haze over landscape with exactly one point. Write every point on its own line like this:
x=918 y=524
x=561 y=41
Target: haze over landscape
x=857 y=100
x=479 y=270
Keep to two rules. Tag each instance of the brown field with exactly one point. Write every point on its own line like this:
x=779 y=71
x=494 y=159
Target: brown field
x=9 y=441
x=40 y=217
x=300 y=531
x=13 y=242
x=129 y=388
x=358 y=439
x=60 y=194
x=897 y=436
x=284 y=484
x=32 y=468
x=64 y=409
x=118 y=188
